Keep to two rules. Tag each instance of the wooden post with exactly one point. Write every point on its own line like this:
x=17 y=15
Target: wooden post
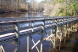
x=68 y=30
x=28 y=39
x=56 y=28
x=17 y=27
x=68 y=27
x=55 y=37
x=61 y=35
x=32 y=26
x=42 y=36
x=51 y=32
x=65 y=33
x=41 y=46
x=2 y=49
x=71 y=27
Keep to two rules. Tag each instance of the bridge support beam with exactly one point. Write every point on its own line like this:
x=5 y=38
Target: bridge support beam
x=41 y=46
x=2 y=49
x=34 y=43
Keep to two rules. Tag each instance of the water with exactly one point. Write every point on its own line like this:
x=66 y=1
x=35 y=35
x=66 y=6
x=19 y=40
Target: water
x=24 y=14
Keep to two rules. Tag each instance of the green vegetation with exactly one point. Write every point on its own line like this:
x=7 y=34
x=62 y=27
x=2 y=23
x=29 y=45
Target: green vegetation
x=58 y=1
x=63 y=7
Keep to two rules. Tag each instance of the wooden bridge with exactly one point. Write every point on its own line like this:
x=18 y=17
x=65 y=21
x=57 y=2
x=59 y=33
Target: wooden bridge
x=13 y=29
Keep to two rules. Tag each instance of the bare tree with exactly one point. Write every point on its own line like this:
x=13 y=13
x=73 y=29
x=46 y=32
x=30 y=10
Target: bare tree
x=13 y=4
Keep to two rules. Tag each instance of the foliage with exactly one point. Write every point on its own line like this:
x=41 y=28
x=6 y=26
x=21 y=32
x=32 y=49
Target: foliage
x=70 y=8
x=73 y=8
x=58 y=1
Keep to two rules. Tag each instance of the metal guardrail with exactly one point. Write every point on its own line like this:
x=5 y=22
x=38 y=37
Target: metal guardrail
x=13 y=29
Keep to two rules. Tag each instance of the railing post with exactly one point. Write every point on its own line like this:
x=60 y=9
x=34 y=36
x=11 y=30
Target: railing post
x=61 y=32
x=41 y=47
x=51 y=32
x=17 y=28
x=32 y=25
x=71 y=26
x=68 y=27
x=28 y=39
x=51 y=29
x=56 y=28
x=42 y=36
x=55 y=37
x=65 y=32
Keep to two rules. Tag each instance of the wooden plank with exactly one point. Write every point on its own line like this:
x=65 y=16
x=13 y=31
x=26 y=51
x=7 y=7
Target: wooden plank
x=7 y=41
x=6 y=37
x=8 y=31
